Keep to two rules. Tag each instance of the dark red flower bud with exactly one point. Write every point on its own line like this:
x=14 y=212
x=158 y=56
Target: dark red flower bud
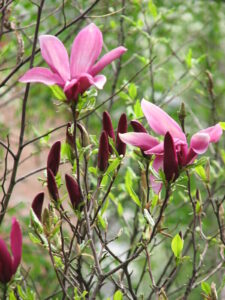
x=52 y=186
x=103 y=152
x=107 y=125
x=73 y=190
x=122 y=128
x=54 y=158
x=69 y=136
x=137 y=126
x=37 y=204
x=85 y=141
x=170 y=162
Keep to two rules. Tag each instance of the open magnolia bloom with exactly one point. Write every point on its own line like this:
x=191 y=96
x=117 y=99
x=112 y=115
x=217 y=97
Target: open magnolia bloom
x=161 y=123
x=76 y=75
x=8 y=263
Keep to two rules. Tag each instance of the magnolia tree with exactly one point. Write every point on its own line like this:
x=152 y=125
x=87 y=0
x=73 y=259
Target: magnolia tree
x=144 y=221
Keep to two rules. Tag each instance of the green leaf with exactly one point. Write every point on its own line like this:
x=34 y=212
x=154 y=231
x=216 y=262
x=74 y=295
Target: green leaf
x=66 y=152
x=34 y=239
x=201 y=172
x=118 y=295
x=132 y=90
x=153 y=9
x=129 y=188
x=35 y=221
x=12 y=296
x=177 y=245
x=206 y=288
x=58 y=92
x=115 y=163
x=188 y=58
x=222 y=124
x=137 y=109
x=102 y=222
x=120 y=209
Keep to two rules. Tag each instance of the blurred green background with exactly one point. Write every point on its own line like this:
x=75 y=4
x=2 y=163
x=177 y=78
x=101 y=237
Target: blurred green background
x=186 y=41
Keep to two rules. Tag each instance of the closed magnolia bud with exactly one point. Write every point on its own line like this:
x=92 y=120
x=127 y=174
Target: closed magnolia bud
x=170 y=162
x=103 y=152
x=37 y=205
x=107 y=125
x=54 y=158
x=73 y=190
x=122 y=128
x=85 y=141
x=69 y=135
x=137 y=126
x=52 y=186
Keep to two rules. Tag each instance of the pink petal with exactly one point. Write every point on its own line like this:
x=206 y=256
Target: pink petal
x=157 y=150
x=5 y=263
x=41 y=75
x=80 y=85
x=214 y=133
x=99 y=81
x=56 y=56
x=200 y=142
x=157 y=164
x=107 y=59
x=16 y=244
x=139 y=139
x=86 y=48
x=160 y=121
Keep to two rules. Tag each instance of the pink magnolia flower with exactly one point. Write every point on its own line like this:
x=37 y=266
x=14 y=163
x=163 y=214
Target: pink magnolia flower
x=161 y=123
x=76 y=75
x=8 y=263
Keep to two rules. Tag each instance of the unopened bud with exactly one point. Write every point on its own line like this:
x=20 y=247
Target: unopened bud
x=52 y=186
x=37 y=205
x=54 y=158
x=73 y=190
x=107 y=125
x=137 y=126
x=122 y=128
x=170 y=163
x=85 y=141
x=103 y=152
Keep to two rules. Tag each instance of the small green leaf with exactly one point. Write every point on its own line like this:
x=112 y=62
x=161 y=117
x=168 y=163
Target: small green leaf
x=118 y=295
x=153 y=9
x=34 y=239
x=137 y=109
x=177 y=246
x=12 y=296
x=112 y=167
x=102 y=222
x=66 y=152
x=201 y=172
x=222 y=124
x=58 y=92
x=132 y=90
x=206 y=288
x=129 y=188
x=188 y=58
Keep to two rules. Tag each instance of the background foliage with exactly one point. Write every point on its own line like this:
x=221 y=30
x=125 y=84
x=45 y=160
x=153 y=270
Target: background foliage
x=185 y=40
